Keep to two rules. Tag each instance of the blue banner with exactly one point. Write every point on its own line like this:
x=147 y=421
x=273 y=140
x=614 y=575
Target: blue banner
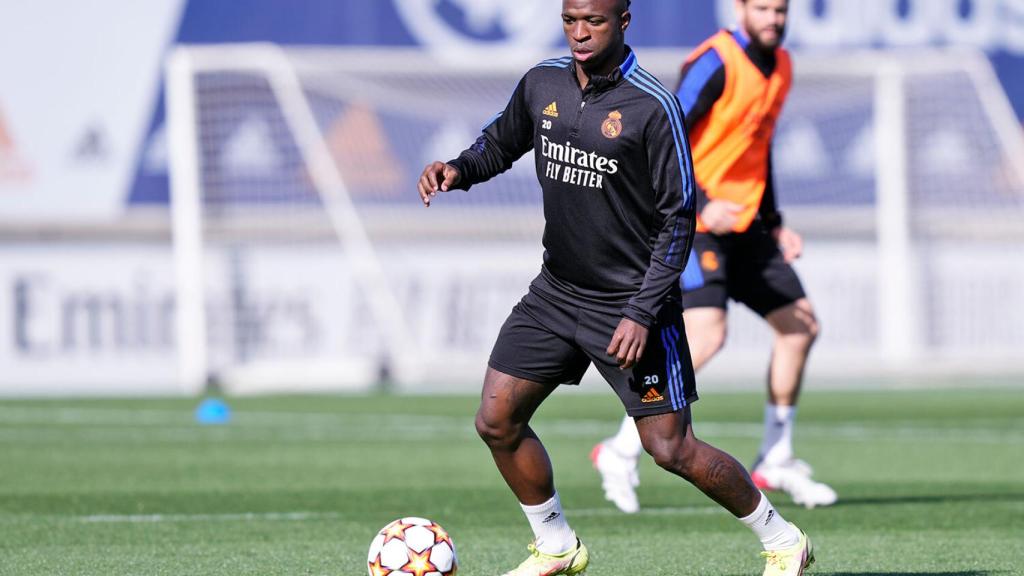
x=490 y=28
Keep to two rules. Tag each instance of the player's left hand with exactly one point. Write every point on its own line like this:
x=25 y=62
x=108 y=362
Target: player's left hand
x=791 y=244
x=628 y=343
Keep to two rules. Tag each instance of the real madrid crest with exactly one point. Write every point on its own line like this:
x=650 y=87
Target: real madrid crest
x=612 y=125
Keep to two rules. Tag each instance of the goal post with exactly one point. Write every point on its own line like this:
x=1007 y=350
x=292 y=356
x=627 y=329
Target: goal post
x=191 y=222
x=916 y=93
x=306 y=260
x=185 y=183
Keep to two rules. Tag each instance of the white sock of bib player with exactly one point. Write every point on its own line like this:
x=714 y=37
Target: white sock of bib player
x=626 y=442
x=551 y=531
x=777 y=444
x=773 y=531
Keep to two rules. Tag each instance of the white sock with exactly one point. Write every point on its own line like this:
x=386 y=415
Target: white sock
x=626 y=442
x=773 y=531
x=551 y=531
x=777 y=444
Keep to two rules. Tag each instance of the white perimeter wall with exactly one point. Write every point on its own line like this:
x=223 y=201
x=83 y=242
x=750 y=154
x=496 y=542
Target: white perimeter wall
x=98 y=318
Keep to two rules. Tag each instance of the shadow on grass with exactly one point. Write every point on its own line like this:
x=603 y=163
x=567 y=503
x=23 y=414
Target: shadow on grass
x=932 y=499
x=968 y=573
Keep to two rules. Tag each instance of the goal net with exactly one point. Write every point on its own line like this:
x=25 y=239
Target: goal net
x=305 y=260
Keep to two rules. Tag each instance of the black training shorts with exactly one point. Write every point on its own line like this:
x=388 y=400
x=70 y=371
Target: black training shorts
x=552 y=342
x=747 y=267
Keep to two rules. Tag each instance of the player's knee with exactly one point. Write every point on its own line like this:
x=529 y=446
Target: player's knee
x=672 y=454
x=496 y=432
x=801 y=337
x=661 y=451
x=813 y=330
x=805 y=337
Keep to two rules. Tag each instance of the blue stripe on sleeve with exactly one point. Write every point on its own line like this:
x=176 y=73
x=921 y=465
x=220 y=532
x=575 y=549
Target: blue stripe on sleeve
x=692 y=276
x=664 y=98
x=492 y=120
x=697 y=77
x=562 y=62
x=675 y=115
x=644 y=81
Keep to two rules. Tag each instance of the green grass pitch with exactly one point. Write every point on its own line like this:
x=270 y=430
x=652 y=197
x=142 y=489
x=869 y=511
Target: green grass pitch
x=931 y=484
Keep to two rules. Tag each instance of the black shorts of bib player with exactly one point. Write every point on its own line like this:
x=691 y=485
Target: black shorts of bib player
x=748 y=268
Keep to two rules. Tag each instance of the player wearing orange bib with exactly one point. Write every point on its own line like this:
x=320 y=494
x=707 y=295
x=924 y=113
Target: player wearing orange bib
x=732 y=90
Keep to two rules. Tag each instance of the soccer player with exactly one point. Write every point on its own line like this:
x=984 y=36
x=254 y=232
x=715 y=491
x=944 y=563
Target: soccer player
x=732 y=89
x=614 y=165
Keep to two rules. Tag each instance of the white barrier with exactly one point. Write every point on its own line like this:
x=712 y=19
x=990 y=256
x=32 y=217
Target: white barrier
x=98 y=318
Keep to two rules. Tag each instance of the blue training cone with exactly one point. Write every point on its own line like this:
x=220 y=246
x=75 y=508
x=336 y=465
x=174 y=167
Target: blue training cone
x=213 y=411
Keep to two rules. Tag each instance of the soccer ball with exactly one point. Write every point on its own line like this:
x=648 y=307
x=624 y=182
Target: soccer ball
x=412 y=547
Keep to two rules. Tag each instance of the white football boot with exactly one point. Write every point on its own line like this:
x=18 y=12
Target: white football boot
x=619 y=477
x=794 y=478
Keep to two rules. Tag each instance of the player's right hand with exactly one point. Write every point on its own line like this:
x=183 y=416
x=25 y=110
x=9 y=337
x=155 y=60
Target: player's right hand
x=720 y=216
x=628 y=343
x=790 y=243
x=437 y=177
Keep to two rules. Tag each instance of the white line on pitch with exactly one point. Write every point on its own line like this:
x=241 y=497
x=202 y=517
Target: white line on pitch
x=302 y=516
x=237 y=517
x=327 y=426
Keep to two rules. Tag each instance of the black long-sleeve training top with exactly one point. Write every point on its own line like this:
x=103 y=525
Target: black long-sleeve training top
x=614 y=165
